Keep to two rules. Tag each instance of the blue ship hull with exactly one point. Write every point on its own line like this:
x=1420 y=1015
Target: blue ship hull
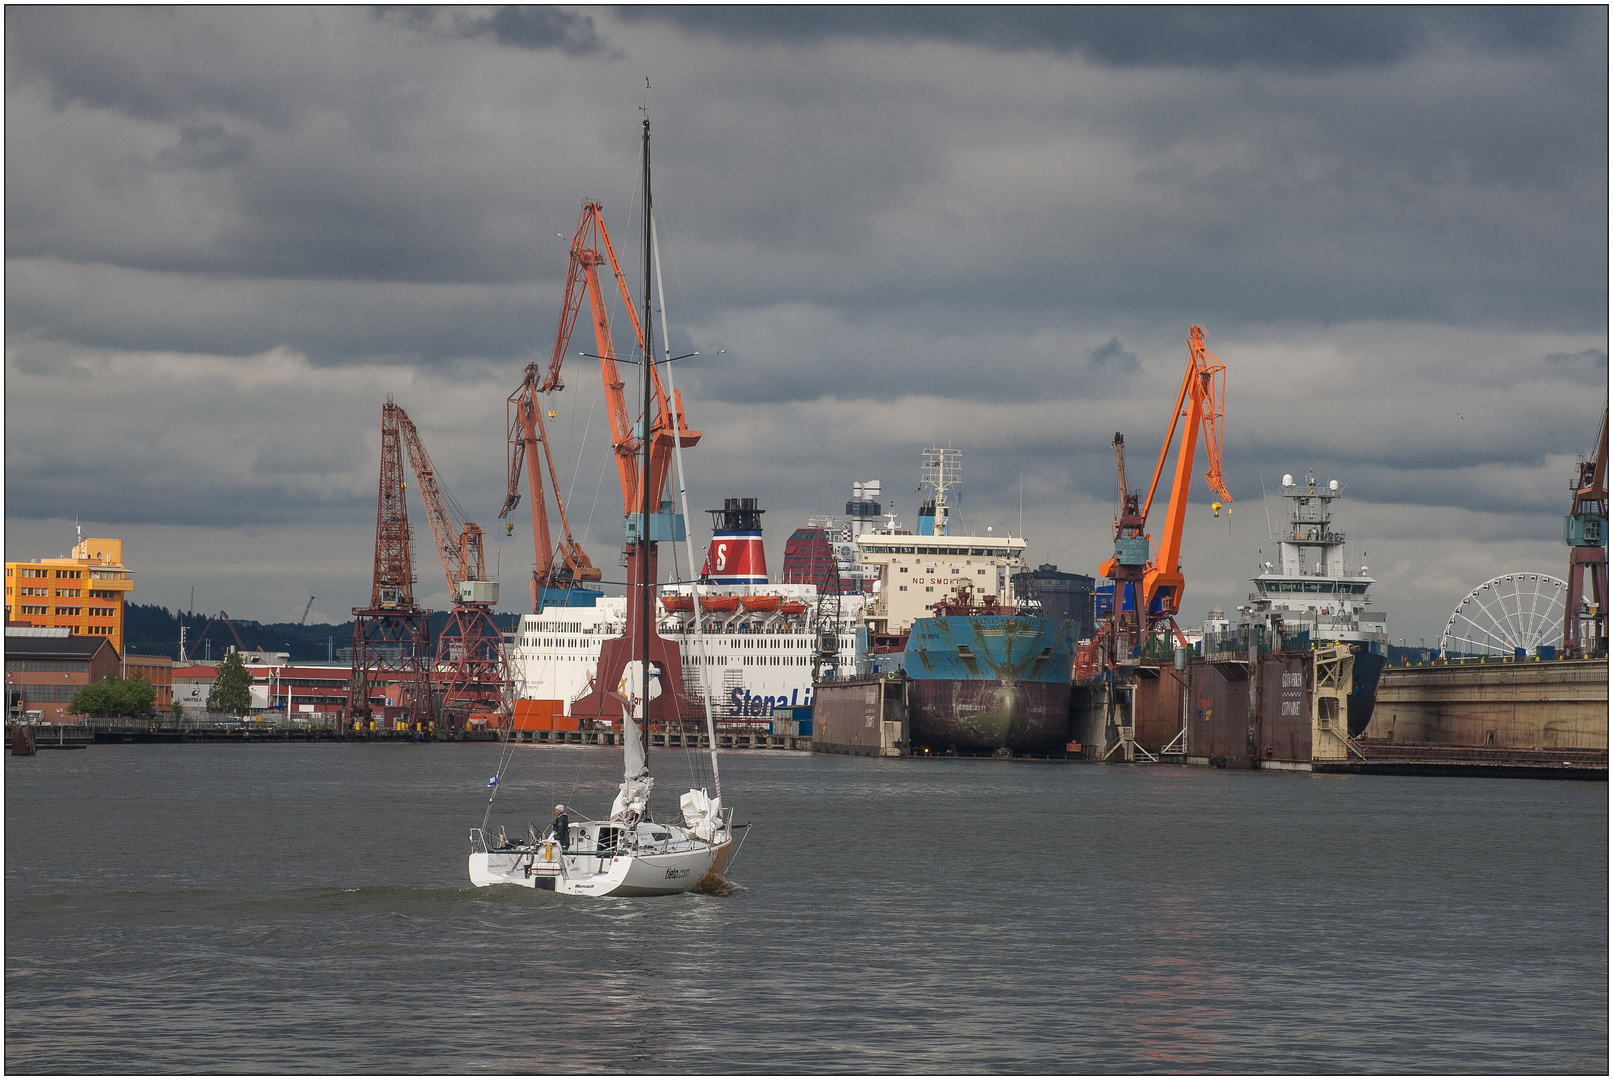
x=1364 y=672
x=982 y=683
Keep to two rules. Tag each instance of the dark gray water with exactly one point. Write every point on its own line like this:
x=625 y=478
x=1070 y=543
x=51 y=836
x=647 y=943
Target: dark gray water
x=305 y=908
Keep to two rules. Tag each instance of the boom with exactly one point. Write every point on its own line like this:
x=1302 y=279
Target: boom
x=458 y=542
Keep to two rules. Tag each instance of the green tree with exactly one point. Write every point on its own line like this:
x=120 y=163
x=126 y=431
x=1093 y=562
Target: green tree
x=115 y=697
x=178 y=711
x=232 y=688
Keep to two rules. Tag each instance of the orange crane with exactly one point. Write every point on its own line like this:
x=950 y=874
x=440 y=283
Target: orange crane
x=643 y=452
x=1203 y=390
x=553 y=568
x=471 y=673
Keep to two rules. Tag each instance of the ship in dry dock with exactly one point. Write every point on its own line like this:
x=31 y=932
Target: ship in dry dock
x=1311 y=596
x=984 y=670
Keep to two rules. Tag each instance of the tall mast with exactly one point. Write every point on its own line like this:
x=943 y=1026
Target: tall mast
x=646 y=590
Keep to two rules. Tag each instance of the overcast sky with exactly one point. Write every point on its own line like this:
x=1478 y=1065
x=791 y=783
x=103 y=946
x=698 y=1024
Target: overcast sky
x=231 y=232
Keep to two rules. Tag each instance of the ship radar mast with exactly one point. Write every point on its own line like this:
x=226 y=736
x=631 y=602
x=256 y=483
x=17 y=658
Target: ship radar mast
x=941 y=471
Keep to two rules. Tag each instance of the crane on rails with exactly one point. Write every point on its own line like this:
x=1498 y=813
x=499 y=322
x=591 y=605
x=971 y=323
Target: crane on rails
x=1585 y=531
x=1159 y=599
x=392 y=637
x=471 y=674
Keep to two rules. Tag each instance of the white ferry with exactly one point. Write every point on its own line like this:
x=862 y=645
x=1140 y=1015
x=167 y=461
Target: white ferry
x=763 y=642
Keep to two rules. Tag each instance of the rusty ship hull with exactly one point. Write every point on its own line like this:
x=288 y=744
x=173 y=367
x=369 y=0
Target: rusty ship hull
x=989 y=683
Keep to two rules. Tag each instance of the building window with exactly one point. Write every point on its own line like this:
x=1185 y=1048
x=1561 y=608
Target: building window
x=901 y=588
x=929 y=588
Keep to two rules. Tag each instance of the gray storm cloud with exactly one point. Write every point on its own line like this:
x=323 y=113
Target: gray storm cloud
x=231 y=232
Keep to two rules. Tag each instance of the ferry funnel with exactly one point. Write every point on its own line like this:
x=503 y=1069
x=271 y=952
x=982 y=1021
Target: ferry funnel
x=735 y=556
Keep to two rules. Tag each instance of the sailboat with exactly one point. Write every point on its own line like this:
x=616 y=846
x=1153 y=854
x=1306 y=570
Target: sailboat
x=628 y=853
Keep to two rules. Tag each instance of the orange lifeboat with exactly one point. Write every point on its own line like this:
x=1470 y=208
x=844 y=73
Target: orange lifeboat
x=792 y=608
x=720 y=604
x=676 y=603
x=760 y=603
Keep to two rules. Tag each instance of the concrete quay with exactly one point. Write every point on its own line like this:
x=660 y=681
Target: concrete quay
x=109 y=731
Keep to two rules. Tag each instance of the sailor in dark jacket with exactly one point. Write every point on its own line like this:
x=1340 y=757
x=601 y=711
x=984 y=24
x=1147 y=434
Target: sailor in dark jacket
x=561 y=826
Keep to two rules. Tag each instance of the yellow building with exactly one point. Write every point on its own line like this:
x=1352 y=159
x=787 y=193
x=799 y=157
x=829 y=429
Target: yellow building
x=85 y=592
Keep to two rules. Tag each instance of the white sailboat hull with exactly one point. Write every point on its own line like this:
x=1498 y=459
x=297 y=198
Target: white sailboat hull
x=692 y=869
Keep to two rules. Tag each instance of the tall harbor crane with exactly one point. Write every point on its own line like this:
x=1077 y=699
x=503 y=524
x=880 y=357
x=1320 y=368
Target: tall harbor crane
x=392 y=637
x=1585 y=530
x=1203 y=390
x=658 y=430
x=471 y=673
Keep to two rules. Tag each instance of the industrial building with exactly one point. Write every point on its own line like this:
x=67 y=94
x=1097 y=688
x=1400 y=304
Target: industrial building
x=46 y=667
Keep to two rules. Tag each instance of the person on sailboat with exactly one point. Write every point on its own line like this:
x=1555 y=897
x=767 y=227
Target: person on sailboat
x=561 y=826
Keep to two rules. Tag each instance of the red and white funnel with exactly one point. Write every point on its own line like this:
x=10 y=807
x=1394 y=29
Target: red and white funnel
x=735 y=556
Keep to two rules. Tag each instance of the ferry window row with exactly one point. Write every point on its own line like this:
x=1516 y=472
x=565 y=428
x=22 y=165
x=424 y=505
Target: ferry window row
x=876 y=549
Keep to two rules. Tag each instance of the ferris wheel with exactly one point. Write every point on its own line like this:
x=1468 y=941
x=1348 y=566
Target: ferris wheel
x=1507 y=614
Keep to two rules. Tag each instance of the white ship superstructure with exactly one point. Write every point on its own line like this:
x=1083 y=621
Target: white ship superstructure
x=1311 y=588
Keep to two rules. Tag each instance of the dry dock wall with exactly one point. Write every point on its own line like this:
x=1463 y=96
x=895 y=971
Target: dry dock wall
x=1552 y=703
x=1281 y=718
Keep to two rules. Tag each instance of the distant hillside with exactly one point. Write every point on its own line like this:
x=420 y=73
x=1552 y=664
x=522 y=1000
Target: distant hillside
x=154 y=631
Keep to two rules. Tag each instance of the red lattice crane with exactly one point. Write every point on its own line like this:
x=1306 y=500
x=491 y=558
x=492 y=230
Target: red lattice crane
x=471 y=674
x=392 y=637
x=1203 y=390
